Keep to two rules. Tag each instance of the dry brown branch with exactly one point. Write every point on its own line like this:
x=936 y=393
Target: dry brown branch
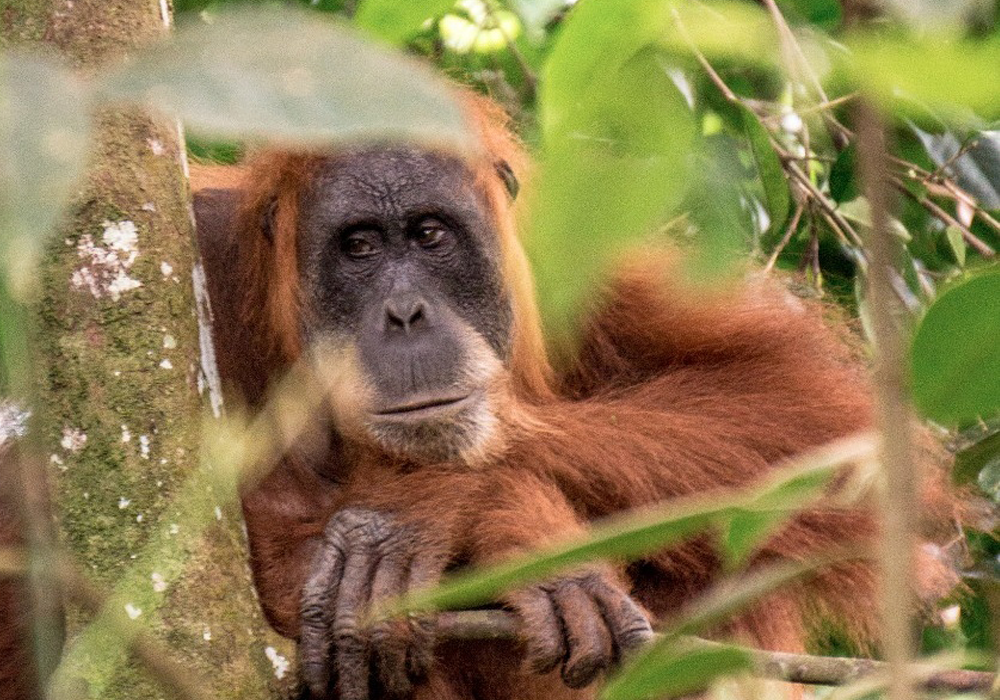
x=899 y=495
x=972 y=239
x=789 y=232
x=796 y=668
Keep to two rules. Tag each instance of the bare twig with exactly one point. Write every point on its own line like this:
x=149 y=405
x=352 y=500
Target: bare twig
x=789 y=232
x=899 y=497
x=799 y=65
x=796 y=668
x=969 y=144
x=824 y=204
x=972 y=239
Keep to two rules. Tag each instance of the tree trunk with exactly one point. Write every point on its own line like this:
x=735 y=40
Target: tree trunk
x=120 y=398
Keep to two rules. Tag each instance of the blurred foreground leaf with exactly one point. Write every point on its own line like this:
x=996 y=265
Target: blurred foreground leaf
x=676 y=669
x=935 y=70
x=616 y=139
x=291 y=75
x=395 y=21
x=639 y=532
x=43 y=137
x=956 y=352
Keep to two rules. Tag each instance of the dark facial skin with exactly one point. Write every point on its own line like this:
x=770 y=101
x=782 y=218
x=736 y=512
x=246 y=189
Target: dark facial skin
x=399 y=259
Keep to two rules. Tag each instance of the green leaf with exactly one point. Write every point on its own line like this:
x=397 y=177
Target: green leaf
x=614 y=160
x=745 y=530
x=629 y=537
x=936 y=69
x=676 y=669
x=772 y=175
x=843 y=183
x=973 y=461
x=292 y=75
x=714 y=207
x=396 y=21
x=44 y=131
x=957 y=243
x=956 y=352
x=737 y=592
x=634 y=534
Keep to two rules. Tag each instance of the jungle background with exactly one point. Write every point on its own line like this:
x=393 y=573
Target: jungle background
x=737 y=129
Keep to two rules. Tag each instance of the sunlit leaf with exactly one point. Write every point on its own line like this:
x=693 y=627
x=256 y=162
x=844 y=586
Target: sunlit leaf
x=937 y=69
x=43 y=136
x=956 y=352
x=395 y=21
x=711 y=27
x=676 y=669
x=293 y=76
x=772 y=175
x=615 y=155
x=537 y=13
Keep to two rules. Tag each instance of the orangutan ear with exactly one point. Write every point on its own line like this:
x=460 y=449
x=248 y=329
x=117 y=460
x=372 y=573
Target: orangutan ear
x=506 y=174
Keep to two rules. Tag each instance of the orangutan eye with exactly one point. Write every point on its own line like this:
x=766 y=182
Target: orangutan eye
x=431 y=233
x=360 y=244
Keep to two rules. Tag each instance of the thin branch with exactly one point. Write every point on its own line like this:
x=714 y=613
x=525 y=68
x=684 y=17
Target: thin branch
x=789 y=232
x=972 y=239
x=713 y=76
x=799 y=64
x=474 y=625
x=824 y=204
x=899 y=493
x=969 y=144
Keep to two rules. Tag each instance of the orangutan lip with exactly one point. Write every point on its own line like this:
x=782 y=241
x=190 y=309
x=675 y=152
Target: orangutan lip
x=427 y=406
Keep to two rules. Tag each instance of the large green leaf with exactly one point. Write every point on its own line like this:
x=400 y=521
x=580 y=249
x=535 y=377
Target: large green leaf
x=43 y=137
x=616 y=138
x=936 y=69
x=291 y=75
x=956 y=352
x=395 y=21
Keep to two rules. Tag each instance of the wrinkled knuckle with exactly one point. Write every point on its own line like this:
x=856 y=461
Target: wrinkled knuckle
x=388 y=632
x=313 y=614
x=346 y=631
x=584 y=668
x=636 y=635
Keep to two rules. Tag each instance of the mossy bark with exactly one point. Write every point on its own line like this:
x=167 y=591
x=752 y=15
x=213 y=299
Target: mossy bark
x=120 y=407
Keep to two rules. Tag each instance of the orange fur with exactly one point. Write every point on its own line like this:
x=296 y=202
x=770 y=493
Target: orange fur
x=672 y=393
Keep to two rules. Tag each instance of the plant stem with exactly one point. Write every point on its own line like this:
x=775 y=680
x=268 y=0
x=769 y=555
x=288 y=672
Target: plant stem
x=899 y=496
